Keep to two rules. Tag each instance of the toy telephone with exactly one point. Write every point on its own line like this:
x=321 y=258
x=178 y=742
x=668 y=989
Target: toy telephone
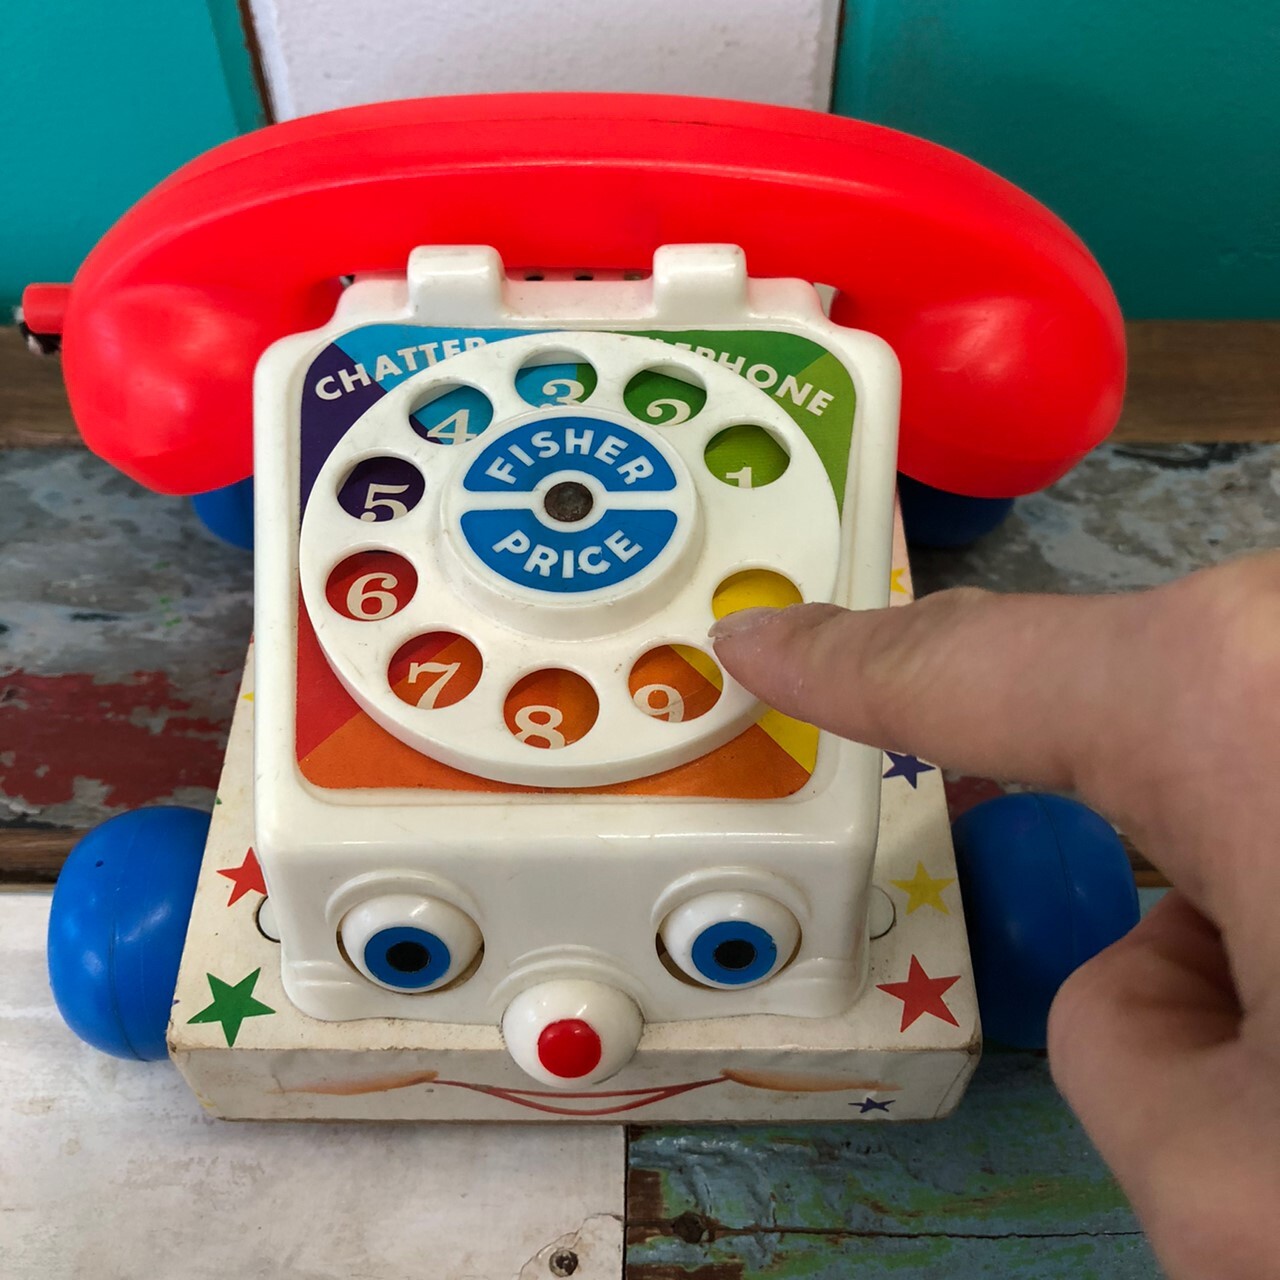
x=581 y=399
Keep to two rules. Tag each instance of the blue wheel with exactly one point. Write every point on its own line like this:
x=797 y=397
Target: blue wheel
x=1046 y=885
x=935 y=518
x=117 y=926
x=228 y=513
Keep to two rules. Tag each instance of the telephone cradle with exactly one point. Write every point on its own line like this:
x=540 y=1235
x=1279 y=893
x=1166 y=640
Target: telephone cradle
x=532 y=390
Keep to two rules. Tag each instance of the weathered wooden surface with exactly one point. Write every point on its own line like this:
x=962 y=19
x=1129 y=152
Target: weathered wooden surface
x=1188 y=380
x=1009 y=1185
x=1128 y=516
x=123 y=623
x=123 y=626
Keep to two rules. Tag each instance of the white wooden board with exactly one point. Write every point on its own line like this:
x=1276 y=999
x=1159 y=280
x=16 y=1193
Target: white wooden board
x=109 y=1170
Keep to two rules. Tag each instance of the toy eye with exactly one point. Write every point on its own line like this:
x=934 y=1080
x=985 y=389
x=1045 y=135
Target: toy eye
x=408 y=943
x=730 y=940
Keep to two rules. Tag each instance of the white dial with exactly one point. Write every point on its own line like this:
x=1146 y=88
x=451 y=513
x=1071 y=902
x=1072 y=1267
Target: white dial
x=454 y=576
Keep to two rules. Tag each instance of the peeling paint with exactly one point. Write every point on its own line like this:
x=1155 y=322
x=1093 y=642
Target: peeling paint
x=115 y=742
x=1127 y=517
x=123 y=627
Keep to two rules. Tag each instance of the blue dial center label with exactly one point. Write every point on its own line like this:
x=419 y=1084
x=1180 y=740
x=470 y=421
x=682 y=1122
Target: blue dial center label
x=622 y=460
x=608 y=546
x=517 y=545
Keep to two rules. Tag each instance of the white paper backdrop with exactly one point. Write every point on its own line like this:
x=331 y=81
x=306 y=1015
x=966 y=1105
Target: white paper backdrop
x=320 y=54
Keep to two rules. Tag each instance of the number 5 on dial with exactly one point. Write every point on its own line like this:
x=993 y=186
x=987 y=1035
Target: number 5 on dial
x=378 y=498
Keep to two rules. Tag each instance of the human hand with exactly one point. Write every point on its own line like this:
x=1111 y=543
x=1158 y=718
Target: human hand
x=1162 y=710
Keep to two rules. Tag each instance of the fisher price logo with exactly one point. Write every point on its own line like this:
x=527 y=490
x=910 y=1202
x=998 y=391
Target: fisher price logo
x=569 y=504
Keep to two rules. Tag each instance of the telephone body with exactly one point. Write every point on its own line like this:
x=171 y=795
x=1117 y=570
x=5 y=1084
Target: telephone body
x=537 y=747
x=574 y=397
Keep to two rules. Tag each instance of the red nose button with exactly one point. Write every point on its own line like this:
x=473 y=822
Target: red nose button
x=569 y=1048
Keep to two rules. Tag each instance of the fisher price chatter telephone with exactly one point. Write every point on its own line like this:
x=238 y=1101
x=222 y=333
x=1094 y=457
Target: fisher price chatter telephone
x=580 y=400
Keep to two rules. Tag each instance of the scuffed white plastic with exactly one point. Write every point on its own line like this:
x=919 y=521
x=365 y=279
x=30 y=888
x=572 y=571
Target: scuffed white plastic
x=720 y=530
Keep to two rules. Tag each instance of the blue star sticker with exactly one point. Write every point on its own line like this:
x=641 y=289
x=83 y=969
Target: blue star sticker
x=903 y=766
x=870 y=1104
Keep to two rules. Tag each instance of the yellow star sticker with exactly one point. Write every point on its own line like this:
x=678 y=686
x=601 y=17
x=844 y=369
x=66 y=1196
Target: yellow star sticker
x=896 y=583
x=923 y=890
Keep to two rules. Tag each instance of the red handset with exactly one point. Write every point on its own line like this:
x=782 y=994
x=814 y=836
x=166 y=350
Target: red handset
x=1010 y=339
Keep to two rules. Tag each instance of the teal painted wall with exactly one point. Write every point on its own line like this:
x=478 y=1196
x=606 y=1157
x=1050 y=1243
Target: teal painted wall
x=98 y=102
x=1151 y=126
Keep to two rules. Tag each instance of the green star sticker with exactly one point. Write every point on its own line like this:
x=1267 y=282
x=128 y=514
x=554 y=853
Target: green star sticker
x=232 y=1005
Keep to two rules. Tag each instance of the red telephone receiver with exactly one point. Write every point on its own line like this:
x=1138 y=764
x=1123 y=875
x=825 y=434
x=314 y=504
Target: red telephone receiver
x=1009 y=337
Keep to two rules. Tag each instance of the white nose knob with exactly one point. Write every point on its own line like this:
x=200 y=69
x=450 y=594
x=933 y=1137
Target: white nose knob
x=572 y=1032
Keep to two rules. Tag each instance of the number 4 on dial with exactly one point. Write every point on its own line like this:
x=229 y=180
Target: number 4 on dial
x=455 y=429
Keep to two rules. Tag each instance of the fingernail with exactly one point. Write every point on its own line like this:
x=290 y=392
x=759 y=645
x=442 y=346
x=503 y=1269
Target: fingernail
x=735 y=624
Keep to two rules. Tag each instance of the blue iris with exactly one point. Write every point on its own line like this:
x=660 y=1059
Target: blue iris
x=406 y=957
x=734 y=953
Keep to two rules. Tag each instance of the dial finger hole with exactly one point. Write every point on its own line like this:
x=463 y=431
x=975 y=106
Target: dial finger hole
x=550 y=709
x=381 y=489
x=754 y=589
x=675 y=683
x=555 y=376
x=435 y=670
x=664 y=395
x=746 y=456
x=451 y=413
x=371 y=585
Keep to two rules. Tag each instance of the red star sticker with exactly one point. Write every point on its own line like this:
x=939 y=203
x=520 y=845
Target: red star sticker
x=921 y=994
x=247 y=878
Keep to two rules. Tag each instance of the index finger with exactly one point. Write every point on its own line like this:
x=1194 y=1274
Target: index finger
x=1003 y=686
x=1135 y=701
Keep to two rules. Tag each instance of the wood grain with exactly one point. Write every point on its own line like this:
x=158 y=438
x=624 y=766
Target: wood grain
x=33 y=403
x=33 y=855
x=1202 y=381
x=1009 y=1185
x=1189 y=380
